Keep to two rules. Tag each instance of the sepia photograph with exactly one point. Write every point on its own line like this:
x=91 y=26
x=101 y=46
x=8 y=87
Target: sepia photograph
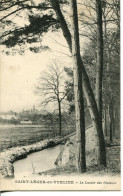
x=60 y=95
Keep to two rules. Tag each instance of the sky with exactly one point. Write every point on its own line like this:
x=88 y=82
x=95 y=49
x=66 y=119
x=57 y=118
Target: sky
x=19 y=74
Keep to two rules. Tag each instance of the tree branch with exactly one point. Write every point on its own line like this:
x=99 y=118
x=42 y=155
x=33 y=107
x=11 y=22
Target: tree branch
x=17 y=3
x=11 y=14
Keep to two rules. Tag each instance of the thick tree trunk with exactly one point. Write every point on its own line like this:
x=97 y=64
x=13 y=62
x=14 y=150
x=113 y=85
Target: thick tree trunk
x=60 y=118
x=78 y=92
x=87 y=88
x=99 y=70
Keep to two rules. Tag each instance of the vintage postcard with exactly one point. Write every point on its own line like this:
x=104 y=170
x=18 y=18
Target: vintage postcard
x=60 y=95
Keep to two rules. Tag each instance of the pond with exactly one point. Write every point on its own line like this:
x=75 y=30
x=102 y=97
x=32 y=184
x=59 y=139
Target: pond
x=37 y=162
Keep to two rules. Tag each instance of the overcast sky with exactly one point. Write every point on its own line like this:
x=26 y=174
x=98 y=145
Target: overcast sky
x=19 y=74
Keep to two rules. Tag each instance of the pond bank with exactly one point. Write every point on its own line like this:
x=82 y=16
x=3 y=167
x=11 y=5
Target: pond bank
x=8 y=157
x=37 y=162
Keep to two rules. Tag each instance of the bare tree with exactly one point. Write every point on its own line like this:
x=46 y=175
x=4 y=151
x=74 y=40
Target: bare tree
x=51 y=88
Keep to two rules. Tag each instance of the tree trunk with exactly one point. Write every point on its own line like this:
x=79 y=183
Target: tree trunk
x=111 y=139
x=78 y=92
x=111 y=119
x=114 y=121
x=60 y=118
x=99 y=68
x=105 y=122
x=87 y=88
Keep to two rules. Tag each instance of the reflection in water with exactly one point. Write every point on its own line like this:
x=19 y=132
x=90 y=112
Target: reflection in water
x=37 y=162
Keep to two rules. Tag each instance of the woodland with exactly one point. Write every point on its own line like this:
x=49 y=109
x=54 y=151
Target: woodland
x=91 y=29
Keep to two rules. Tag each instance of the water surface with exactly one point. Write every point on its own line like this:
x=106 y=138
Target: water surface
x=37 y=162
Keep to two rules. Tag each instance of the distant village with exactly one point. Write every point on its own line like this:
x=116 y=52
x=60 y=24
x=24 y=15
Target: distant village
x=32 y=116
